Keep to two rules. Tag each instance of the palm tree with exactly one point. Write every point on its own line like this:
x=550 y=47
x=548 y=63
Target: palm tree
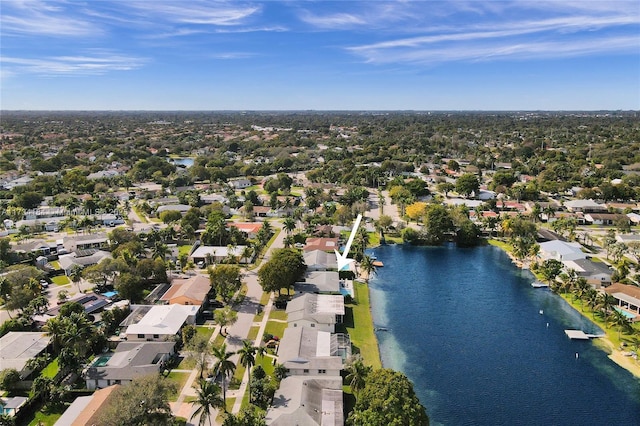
x=357 y=373
x=288 y=241
x=248 y=359
x=160 y=251
x=75 y=275
x=289 y=225
x=207 y=398
x=619 y=320
x=223 y=366
x=367 y=266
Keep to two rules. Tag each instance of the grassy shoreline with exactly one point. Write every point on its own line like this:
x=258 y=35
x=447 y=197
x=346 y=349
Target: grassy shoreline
x=609 y=344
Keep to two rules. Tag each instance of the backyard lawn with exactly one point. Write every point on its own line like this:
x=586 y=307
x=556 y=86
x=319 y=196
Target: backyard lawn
x=60 y=280
x=359 y=324
x=179 y=379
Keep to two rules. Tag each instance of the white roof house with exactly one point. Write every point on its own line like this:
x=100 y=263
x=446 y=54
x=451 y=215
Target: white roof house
x=161 y=321
x=560 y=250
x=217 y=253
x=321 y=311
x=307 y=401
x=584 y=206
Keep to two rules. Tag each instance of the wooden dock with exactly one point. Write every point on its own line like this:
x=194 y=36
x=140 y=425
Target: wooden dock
x=580 y=335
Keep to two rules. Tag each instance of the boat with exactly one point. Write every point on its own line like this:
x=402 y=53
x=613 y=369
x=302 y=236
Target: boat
x=378 y=264
x=373 y=256
x=539 y=284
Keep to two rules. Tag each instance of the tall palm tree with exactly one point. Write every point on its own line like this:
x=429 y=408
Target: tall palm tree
x=248 y=359
x=159 y=251
x=207 y=398
x=618 y=319
x=76 y=275
x=357 y=373
x=289 y=225
x=367 y=266
x=223 y=366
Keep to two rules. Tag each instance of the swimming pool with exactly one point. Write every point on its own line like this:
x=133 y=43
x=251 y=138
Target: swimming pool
x=625 y=313
x=102 y=361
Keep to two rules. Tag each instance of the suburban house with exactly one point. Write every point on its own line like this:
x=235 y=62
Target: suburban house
x=72 y=260
x=9 y=406
x=319 y=311
x=191 y=291
x=597 y=274
x=18 y=347
x=322 y=244
x=606 y=219
x=91 y=303
x=129 y=361
x=182 y=208
x=206 y=255
x=318 y=260
x=627 y=298
x=307 y=401
x=585 y=206
x=307 y=351
x=85 y=410
x=161 y=322
x=240 y=183
x=85 y=242
x=37 y=247
x=560 y=250
x=251 y=229
x=319 y=282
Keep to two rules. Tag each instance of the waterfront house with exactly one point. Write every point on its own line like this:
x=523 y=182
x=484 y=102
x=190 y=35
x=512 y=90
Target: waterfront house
x=597 y=274
x=129 y=361
x=561 y=251
x=191 y=291
x=627 y=298
x=307 y=401
x=318 y=260
x=319 y=282
x=161 y=322
x=307 y=351
x=319 y=311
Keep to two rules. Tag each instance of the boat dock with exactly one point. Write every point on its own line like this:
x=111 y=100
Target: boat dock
x=580 y=335
x=378 y=264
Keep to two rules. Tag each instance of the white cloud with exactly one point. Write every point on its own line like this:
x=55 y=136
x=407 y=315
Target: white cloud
x=40 y=18
x=199 y=13
x=333 y=21
x=96 y=62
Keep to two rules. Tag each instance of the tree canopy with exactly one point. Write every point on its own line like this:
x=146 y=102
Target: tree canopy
x=285 y=267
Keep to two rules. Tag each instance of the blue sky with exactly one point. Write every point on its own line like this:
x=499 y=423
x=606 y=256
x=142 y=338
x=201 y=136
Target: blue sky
x=321 y=55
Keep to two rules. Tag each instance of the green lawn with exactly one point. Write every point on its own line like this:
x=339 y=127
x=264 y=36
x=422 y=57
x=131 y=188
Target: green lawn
x=184 y=249
x=140 y=213
x=187 y=363
x=278 y=315
x=60 y=280
x=46 y=418
x=179 y=379
x=253 y=333
x=275 y=328
x=219 y=340
x=55 y=264
x=359 y=324
x=501 y=244
x=205 y=332
x=266 y=363
x=51 y=370
x=264 y=299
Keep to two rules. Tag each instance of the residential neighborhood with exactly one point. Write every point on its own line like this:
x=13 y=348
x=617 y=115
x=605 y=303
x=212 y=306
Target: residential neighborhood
x=221 y=276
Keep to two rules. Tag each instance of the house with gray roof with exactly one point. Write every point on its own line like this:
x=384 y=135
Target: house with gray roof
x=85 y=242
x=307 y=401
x=319 y=311
x=318 y=260
x=561 y=251
x=307 y=351
x=69 y=261
x=18 y=347
x=319 y=282
x=129 y=361
x=597 y=274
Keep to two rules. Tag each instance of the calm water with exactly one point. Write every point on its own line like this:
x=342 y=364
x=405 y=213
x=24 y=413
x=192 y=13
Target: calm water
x=465 y=326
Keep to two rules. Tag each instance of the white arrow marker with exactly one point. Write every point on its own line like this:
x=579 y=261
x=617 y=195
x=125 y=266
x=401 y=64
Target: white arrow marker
x=343 y=261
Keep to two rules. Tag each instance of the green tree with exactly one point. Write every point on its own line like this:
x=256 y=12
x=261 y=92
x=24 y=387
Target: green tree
x=388 y=398
x=207 y=398
x=247 y=358
x=144 y=401
x=285 y=267
x=130 y=286
x=75 y=275
x=357 y=373
x=225 y=317
x=9 y=378
x=437 y=224
x=467 y=184
x=170 y=216
x=367 y=266
x=226 y=280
